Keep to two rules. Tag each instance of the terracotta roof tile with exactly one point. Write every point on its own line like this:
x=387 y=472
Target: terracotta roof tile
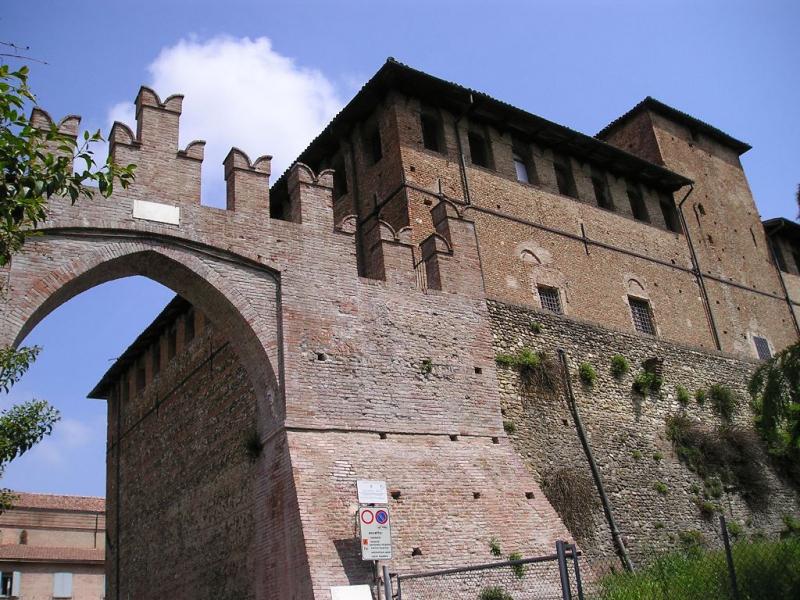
x=25 y=553
x=57 y=502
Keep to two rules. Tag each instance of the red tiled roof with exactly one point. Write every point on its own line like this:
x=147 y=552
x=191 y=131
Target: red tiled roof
x=24 y=553
x=55 y=502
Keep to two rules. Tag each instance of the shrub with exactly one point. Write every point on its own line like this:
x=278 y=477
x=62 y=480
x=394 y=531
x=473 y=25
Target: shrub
x=646 y=382
x=518 y=570
x=692 y=541
x=707 y=508
x=536 y=327
x=734 y=529
x=535 y=368
x=619 y=365
x=636 y=454
x=661 y=487
x=509 y=426
x=587 y=373
x=426 y=366
x=495 y=592
x=658 y=456
x=700 y=396
x=572 y=493
x=494 y=547
x=791 y=526
x=731 y=454
x=723 y=400
x=682 y=395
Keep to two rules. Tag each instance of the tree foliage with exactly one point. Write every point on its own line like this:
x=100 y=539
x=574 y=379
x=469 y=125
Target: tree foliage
x=39 y=163
x=775 y=390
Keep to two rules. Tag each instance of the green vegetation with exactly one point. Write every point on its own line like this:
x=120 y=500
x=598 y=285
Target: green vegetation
x=637 y=455
x=682 y=395
x=791 y=527
x=509 y=426
x=426 y=366
x=723 y=456
x=658 y=456
x=587 y=373
x=518 y=570
x=700 y=396
x=647 y=382
x=723 y=400
x=764 y=570
x=775 y=392
x=734 y=529
x=494 y=547
x=535 y=368
x=494 y=592
x=536 y=327
x=619 y=365
x=661 y=487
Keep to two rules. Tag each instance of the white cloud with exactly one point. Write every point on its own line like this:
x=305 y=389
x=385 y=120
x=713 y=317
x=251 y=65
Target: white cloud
x=240 y=92
x=67 y=435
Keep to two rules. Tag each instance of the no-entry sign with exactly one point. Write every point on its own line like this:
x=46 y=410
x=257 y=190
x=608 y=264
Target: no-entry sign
x=376 y=533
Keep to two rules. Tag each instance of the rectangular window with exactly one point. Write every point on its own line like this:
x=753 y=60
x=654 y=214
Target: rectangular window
x=372 y=145
x=564 y=179
x=638 y=207
x=339 y=179
x=172 y=343
x=157 y=357
x=188 y=328
x=524 y=167
x=141 y=375
x=478 y=150
x=762 y=348
x=521 y=169
x=550 y=299
x=601 y=192
x=670 y=212
x=796 y=257
x=62 y=585
x=6 y=583
x=431 y=132
x=642 y=316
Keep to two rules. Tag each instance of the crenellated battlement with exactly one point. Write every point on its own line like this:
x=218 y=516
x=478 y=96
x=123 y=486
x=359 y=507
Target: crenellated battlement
x=166 y=192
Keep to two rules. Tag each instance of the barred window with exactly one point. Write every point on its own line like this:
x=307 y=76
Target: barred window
x=642 y=317
x=762 y=348
x=550 y=299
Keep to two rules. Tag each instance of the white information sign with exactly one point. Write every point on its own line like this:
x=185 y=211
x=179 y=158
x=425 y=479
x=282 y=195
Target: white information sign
x=371 y=492
x=376 y=533
x=155 y=211
x=351 y=592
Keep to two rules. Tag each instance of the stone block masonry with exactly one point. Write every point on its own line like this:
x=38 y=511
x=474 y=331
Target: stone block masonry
x=626 y=431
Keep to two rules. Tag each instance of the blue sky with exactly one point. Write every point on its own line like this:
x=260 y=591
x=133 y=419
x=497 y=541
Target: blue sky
x=265 y=76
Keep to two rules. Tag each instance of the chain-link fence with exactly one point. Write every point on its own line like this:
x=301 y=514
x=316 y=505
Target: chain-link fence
x=735 y=569
x=540 y=578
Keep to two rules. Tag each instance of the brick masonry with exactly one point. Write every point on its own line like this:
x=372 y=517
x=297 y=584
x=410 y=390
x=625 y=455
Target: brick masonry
x=351 y=333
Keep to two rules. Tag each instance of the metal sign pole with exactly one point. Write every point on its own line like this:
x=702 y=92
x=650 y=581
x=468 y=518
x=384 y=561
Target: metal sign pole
x=387 y=583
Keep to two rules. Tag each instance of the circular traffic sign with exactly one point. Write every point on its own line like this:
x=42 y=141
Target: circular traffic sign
x=367 y=517
x=382 y=517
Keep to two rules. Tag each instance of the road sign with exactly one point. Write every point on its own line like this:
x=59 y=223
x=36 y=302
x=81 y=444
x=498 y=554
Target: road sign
x=376 y=533
x=371 y=492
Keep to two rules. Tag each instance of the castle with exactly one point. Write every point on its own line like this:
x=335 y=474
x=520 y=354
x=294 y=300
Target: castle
x=345 y=323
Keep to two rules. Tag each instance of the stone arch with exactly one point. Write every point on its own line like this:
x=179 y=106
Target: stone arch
x=52 y=269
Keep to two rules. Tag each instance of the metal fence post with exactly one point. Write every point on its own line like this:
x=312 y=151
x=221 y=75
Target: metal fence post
x=566 y=593
x=578 y=584
x=729 y=557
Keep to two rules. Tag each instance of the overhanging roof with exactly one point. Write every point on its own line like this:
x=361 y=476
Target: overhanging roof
x=165 y=318
x=669 y=112
x=457 y=99
x=788 y=228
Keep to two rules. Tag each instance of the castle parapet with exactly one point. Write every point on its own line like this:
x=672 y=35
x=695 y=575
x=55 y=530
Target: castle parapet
x=311 y=197
x=246 y=184
x=390 y=254
x=452 y=263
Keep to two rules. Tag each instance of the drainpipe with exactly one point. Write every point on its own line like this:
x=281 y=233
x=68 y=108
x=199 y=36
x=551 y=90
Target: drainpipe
x=598 y=480
x=117 y=494
x=461 y=162
x=360 y=255
x=774 y=254
x=698 y=273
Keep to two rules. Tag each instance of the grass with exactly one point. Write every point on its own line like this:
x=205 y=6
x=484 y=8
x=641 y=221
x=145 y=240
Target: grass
x=700 y=396
x=723 y=400
x=494 y=547
x=764 y=570
x=494 y=592
x=661 y=487
x=509 y=426
x=647 y=382
x=682 y=395
x=426 y=366
x=518 y=570
x=535 y=368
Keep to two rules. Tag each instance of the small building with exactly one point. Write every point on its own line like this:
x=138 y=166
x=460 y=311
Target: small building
x=53 y=547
